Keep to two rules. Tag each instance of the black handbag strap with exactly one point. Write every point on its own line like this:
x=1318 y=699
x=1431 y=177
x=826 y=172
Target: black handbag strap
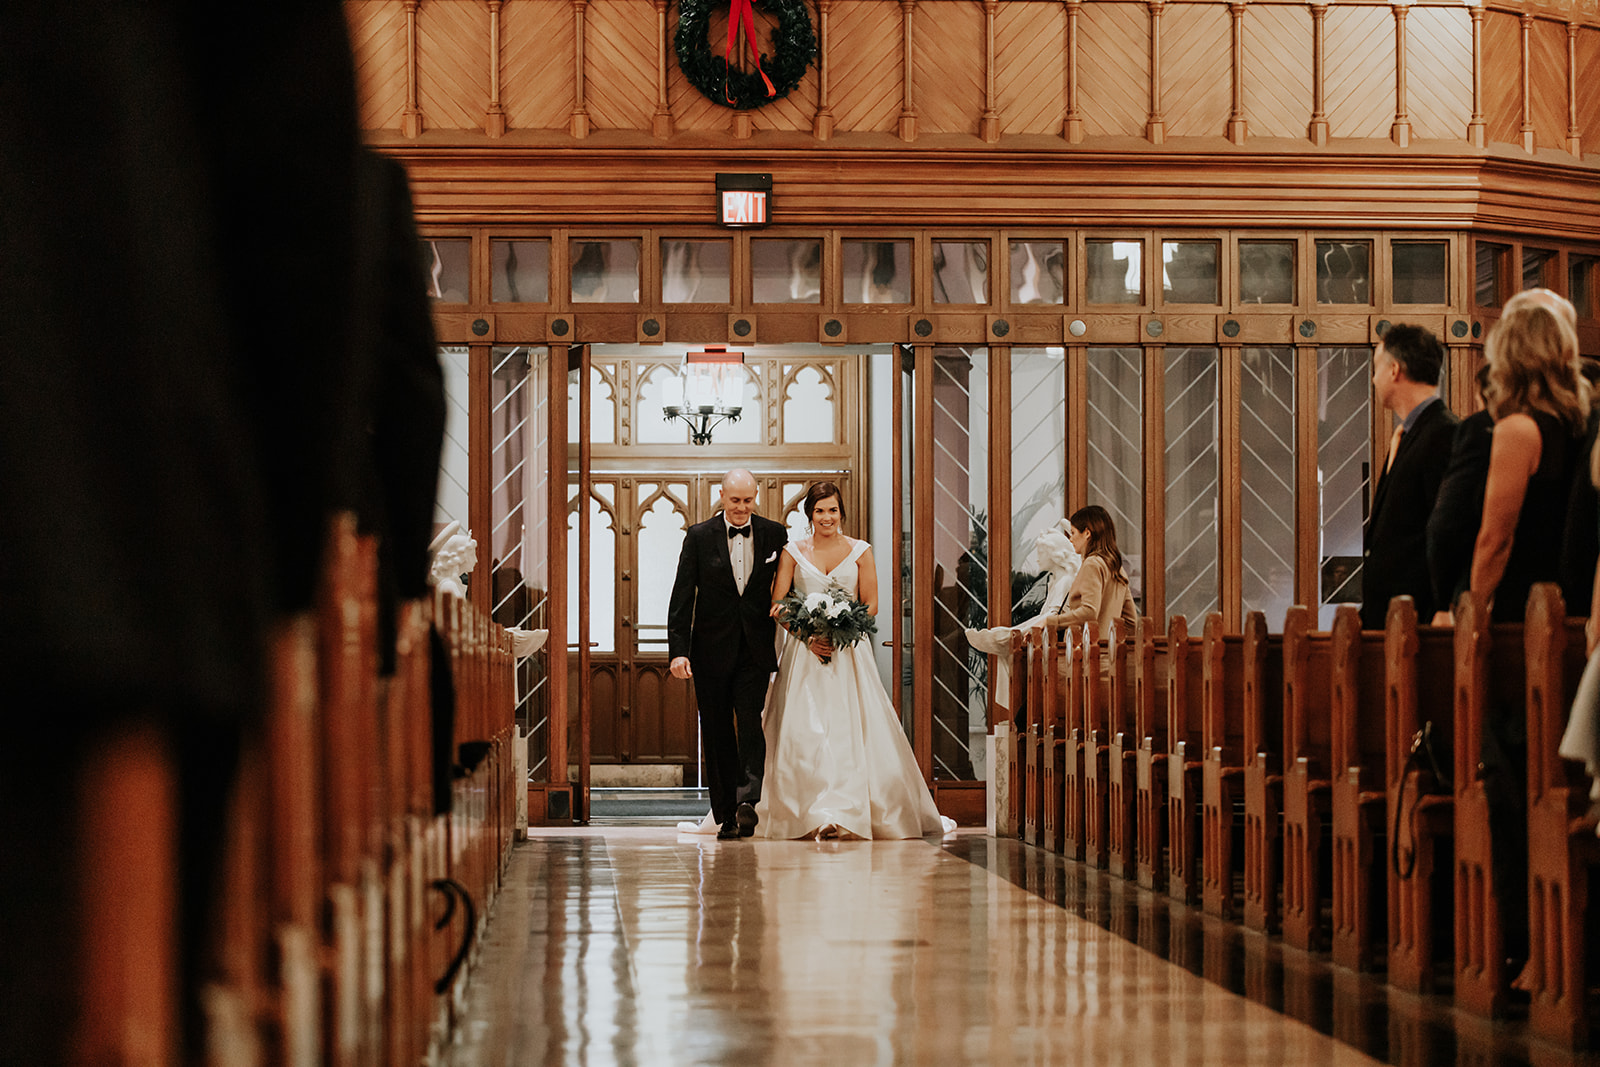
x=1421 y=760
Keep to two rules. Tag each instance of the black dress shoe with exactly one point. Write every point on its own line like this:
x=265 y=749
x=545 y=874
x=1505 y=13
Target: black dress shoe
x=746 y=817
x=729 y=832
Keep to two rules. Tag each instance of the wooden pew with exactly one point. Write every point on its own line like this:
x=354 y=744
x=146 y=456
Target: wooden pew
x=1032 y=732
x=1263 y=773
x=1307 y=762
x=1562 y=847
x=1185 y=759
x=1122 y=774
x=1055 y=688
x=1152 y=686
x=1016 y=800
x=1096 y=749
x=1359 y=862
x=1222 y=770
x=1074 y=809
x=1417 y=663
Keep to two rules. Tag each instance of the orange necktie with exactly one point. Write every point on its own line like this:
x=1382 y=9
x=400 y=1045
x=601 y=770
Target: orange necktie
x=1394 y=446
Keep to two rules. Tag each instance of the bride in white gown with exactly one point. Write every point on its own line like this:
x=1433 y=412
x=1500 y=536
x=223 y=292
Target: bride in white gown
x=838 y=763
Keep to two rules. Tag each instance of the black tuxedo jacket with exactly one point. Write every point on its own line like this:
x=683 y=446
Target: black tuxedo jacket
x=1396 y=545
x=706 y=615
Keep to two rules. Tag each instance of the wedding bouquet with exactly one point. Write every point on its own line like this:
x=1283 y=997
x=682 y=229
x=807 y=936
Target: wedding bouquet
x=832 y=615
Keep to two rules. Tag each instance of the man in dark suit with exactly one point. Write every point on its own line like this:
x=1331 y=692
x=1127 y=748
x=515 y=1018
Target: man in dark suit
x=1405 y=379
x=720 y=633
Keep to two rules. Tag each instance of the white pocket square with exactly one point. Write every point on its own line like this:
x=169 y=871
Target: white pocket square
x=772 y=557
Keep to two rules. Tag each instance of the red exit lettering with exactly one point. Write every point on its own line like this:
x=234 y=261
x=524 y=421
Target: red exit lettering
x=743 y=207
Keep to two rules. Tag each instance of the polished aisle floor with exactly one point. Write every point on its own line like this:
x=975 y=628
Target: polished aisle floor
x=638 y=945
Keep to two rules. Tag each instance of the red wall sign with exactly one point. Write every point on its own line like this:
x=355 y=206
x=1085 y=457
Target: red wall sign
x=744 y=207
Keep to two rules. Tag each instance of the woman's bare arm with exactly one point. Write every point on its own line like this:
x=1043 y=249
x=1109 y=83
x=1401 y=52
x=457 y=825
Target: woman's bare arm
x=867 y=583
x=1513 y=457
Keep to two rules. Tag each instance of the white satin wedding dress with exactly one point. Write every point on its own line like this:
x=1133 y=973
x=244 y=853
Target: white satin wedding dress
x=838 y=761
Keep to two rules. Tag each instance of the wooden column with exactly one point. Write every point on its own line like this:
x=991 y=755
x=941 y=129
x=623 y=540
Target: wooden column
x=1476 y=130
x=556 y=476
x=1072 y=130
x=661 y=122
x=1574 y=138
x=922 y=561
x=580 y=805
x=1077 y=403
x=1156 y=127
x=908 y=110
x=1317 y=132
x=579 y=126
x=1527 y=86
x=1000 y=503
x=1307 y=494
x=822 y=125
x=989 y=126
x=1238 y=127
x=1154 y=436
x=494 y=122
x=411 y=115
x=1230 y=524
x=1400 y=132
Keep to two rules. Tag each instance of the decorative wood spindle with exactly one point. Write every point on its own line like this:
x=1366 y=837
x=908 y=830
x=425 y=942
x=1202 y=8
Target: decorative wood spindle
x=1476 y=129
x=494 y=122
x=822 y=124
x=1238 y=127
x=1072 y=129
x=1400 y=132
x=661 y=122
x=1574 y=138
x=1527 y=86
x=579 y=126
x=1317 y=132
x=1156 y=128
x=908 y=110
x=989 y=126
x=411 y=117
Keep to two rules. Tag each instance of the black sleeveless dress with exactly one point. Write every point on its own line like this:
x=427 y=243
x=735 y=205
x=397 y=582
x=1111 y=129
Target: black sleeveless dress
x=1536 y=548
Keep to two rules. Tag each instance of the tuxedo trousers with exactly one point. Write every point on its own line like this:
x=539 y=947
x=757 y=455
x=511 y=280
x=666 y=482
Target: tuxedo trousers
x=731 y=696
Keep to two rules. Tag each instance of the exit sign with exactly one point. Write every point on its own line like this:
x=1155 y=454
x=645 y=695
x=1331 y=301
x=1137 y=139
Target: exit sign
x=744 y=199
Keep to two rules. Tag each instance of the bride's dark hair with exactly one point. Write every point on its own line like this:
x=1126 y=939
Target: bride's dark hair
x=819 y=492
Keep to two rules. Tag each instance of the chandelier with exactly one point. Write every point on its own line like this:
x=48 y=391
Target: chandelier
x=707 y=391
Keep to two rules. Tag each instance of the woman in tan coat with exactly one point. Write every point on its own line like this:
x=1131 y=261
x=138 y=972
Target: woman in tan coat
x=1099 y=594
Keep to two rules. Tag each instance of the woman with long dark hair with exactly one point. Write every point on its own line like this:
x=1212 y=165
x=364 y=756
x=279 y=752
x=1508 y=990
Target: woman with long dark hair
x=1099 y=594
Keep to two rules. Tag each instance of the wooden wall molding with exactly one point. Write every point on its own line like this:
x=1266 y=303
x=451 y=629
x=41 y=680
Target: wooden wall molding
x=494 y=120
x=579 y=124
x=1400 y=130
x=908 y=110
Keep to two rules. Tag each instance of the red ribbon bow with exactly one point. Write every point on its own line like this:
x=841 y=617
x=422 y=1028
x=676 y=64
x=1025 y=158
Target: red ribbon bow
x=738 y=9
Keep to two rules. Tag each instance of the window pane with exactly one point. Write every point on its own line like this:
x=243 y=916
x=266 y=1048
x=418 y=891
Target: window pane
x=1580 y=284
x=602 y=406
x=450 y=502
x=1490 y=266
x=1189 y=272
x=601 y=589
x=650 y=427
x=1115 y=272
x=876 y=272
x=696 y=272
x=521 y=272
x=1038 y=466
x=1344 y=386
x=961 y=272
x=1266 y=471
x=1344 y=272
x=809 y=408
x=1536 y=265
x=662 y=515
x=1038 y=272
x=605 y=272
x=1419 y=276
x=1116 y=452
x=786 y=272
x=1266 y=272
x=1193 y=479
x=449 y=262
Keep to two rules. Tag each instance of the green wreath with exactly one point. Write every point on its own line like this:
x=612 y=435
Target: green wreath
x=794 y=46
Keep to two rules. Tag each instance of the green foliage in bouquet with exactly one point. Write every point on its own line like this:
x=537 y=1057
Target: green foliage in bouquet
x=833 y=615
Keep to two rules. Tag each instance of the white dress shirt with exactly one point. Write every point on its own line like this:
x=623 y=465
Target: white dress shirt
x=741 y=553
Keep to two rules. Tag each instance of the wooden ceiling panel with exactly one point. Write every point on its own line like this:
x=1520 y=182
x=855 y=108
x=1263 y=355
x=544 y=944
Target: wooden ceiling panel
x=1589 y=89
x=947 y=66
x=1114 y=68
x=1502 y=77
x=620 y=57
x=1277 y=70
x=1359 y=90
x=378 y=41
x=1439 y=71
x=453 y=64
x=864 y=69
x=1030 y=68
x=1547 y=59
x=536 y=52
x=1196 y=69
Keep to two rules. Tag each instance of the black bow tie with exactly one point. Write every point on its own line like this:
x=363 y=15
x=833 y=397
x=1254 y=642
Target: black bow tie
x=738 y=531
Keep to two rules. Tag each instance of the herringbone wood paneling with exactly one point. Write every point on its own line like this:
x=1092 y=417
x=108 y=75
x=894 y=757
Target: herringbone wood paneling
x=619 y=50
x=536 y=53
x=378 y=40
x=453 y=63
x=1439 y=72
x=947 y=66
x=1030 y=42
x=1589 y=89
x=865 y=66
x=1114 y=68
x=1359 y=90
x=1196 y=69
x=1502 y=77
x=1547 y=59
x=1277 y=70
